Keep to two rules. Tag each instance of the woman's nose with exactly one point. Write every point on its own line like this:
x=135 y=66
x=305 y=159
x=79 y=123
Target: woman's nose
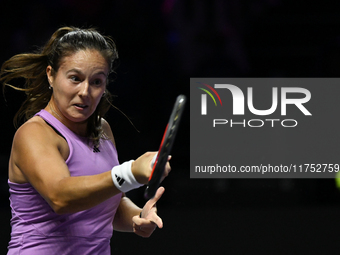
x=84 y=89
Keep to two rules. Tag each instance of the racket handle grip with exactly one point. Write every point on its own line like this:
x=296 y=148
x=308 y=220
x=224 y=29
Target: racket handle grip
x=148 y=193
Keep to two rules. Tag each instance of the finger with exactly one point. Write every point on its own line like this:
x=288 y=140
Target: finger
x=142 y=232
x=137 y=220
x=157 y=196
x=153 y=161
x=144 y=227
x=157 y=220
x=149 y=157
x=167 y=169
x=152 y=156
x=149 y=223
x=167 y=165
x=159 y=193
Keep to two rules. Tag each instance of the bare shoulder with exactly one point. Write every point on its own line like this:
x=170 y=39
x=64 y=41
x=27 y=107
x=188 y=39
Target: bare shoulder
x=107 y=130
x=30 y=129
x=36 y=130
x=33 y=143
x=35 y=136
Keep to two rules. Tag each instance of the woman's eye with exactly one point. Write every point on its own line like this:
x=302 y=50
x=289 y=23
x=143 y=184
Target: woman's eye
x=74 y=78
x=98 y=82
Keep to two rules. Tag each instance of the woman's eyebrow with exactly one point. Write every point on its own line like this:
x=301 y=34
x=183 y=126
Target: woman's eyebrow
x=81 y=73
x=74 y=70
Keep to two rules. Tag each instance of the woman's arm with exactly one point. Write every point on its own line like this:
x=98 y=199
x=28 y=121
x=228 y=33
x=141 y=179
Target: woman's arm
x=125 y=212
x=35 y=154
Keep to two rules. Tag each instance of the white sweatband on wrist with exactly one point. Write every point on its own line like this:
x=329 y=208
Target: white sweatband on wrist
x=123 y=178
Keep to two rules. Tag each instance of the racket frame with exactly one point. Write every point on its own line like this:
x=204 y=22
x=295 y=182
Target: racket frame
x=165 y=147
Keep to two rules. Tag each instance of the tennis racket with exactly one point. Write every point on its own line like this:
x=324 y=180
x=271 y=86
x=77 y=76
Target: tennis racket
x=165 y=148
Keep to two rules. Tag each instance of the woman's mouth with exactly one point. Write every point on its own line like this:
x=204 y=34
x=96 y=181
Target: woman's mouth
x=80 y=106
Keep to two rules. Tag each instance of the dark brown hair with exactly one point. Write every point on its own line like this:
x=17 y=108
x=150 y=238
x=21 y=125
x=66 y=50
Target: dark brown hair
x=32 y=67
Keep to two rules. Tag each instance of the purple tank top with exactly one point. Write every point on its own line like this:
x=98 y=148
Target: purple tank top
x=38 y=230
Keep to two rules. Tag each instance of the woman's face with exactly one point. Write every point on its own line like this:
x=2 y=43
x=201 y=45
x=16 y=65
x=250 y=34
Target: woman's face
x=79 y=84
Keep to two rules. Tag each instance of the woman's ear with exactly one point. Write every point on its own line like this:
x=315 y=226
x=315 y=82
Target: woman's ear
x=49 y=73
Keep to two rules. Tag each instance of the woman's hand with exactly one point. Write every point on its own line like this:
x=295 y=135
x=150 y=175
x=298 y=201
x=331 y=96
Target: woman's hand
x=142 y=167
x=149 y=220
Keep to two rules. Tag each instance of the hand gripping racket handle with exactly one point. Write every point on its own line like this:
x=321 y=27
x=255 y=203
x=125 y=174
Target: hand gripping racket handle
x=165 y=147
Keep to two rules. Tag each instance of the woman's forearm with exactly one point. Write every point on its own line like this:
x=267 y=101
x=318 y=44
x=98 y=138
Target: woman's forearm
x=123 y=219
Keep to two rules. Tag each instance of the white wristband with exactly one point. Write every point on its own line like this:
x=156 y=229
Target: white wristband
x=123 y=178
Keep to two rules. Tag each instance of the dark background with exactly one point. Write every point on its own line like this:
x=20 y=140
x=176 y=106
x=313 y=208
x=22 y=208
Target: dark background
x=161 y=45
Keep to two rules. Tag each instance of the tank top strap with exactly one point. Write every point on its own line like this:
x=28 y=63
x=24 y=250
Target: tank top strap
x=64 y=131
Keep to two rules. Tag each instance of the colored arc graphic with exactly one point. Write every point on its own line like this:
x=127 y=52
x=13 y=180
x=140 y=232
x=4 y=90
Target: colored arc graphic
x=209 y=95
x=215 y=92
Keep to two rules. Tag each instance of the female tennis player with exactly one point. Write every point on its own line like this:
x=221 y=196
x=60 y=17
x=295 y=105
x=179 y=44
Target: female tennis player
x=67 y=188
